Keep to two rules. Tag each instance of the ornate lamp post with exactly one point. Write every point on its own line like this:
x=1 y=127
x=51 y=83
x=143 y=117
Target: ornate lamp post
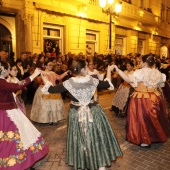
x=111 y=11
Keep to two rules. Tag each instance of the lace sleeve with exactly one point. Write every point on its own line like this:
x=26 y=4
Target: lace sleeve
x=162 y=83
x=136 y=77
x=133 y=80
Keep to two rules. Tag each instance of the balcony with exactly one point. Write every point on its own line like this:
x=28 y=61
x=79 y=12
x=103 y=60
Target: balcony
x=132 y=12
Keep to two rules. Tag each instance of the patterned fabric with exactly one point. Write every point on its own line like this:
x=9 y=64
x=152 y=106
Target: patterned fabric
x=82 y=88
x=91 y=142
x=95 y=149
x=46 y=110
x=121 y=96
x=151 y=77
x=13 y=154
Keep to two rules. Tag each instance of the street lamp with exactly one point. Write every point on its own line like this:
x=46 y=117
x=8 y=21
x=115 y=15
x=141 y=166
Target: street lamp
x=111 y=12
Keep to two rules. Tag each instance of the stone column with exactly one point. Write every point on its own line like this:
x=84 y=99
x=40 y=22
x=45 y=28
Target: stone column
x=20 y=37
x=27 y=18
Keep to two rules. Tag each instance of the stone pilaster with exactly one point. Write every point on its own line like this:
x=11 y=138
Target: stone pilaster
x=27 y=18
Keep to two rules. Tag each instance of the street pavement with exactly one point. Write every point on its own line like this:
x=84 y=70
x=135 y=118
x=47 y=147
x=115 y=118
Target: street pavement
x=134 y=157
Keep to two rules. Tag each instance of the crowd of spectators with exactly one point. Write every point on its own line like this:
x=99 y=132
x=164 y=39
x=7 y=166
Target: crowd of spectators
x=27 y=62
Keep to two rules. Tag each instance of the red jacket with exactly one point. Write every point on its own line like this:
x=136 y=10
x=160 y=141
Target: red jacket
x=7 y=101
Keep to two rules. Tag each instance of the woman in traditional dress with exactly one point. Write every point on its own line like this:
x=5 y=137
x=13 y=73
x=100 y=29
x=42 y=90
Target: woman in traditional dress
x=121 y=97
x=12 y=77
x=48 y=108
x=147 y=120
x=91 y=143
x=94 y=73
x=21 y=144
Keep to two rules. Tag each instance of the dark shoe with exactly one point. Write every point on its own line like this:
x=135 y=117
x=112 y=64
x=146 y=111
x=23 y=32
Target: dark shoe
x=32 y=169
x=51 y=123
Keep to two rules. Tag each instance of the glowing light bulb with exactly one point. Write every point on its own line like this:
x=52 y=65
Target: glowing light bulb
x=118 y=7
x=102 y=3
x=110 y=1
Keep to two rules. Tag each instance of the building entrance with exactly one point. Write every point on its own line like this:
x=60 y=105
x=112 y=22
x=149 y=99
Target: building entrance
x=5 y=39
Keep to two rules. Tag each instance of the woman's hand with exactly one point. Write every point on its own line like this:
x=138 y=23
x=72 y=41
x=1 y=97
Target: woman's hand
x=115 y=67
x=37 y=71
x=111 y=67
x=67 y=72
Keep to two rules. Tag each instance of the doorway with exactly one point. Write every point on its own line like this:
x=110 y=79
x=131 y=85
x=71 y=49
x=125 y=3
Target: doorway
x=5 y=39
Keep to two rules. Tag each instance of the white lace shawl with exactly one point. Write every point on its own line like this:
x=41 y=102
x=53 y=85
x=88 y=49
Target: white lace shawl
x=151 y=77
x=82 y=88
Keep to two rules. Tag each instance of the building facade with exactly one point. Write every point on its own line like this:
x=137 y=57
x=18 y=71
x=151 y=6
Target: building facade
x=35 y=26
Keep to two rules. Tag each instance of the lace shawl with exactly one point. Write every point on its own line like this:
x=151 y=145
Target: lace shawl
x=151 y=77
x=82 y=88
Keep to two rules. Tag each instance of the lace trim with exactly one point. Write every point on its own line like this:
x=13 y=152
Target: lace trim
x=151 y=78
x=28 y=133
x=133 y=80
x=162 y=84
x=82 y=88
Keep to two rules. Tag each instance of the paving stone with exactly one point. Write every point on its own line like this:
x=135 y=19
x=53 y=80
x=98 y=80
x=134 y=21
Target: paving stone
x=54 y=166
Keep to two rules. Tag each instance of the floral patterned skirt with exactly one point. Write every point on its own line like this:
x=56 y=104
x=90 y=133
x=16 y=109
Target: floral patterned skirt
x=47 y=108
x=96 y=147
x=13 y=156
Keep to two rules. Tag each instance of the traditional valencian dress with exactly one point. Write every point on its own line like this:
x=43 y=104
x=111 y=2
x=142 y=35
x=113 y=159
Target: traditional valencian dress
x=147 y=120
x=121 y=97
x=17 y=96
x=21 y=144
x=96 y=75
x=91 y=142
x=47 y=108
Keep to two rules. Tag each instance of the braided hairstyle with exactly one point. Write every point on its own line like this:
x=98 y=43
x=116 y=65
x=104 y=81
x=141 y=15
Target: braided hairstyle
x=150 y=59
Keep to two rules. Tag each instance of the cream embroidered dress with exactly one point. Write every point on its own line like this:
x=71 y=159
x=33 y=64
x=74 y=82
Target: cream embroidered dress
x=122 y=94
x=47 y=108
x=91 y=142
